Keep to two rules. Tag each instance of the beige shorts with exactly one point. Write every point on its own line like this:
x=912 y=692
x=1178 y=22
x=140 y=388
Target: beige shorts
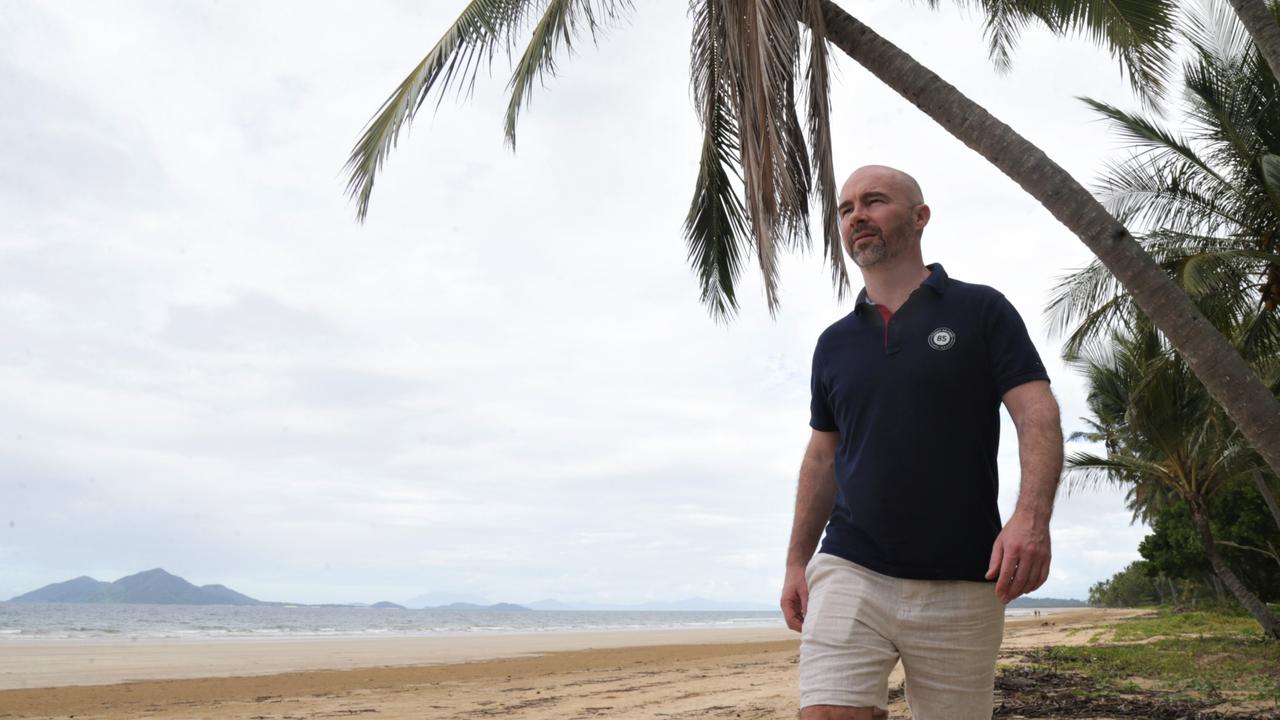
x=859 y=623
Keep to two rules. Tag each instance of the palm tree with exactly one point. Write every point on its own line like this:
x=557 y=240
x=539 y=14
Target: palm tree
x=745 y=62
x=1261 y=23
x=1166 y=442
x=1214 y=197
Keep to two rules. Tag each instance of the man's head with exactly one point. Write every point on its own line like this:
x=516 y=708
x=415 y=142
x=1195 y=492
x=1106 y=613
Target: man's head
x=882 y=215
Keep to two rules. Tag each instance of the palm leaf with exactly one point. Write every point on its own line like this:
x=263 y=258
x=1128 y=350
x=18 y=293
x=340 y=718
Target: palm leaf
x=716 y=228
x=470 y=42
x=1216 y=33
x=1139 y=33
x=561 y=22
x=761 y=53
x=824 y=187
x=1084 y=471
x=1145 y=134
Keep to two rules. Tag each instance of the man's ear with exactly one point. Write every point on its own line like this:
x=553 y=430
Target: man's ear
x=922 y=216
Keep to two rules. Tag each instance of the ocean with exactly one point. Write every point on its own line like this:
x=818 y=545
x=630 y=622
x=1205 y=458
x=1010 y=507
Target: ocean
x=21 y=621
x=69 y=621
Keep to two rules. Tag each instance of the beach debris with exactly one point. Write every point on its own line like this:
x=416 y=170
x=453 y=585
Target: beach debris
x=1030 y=692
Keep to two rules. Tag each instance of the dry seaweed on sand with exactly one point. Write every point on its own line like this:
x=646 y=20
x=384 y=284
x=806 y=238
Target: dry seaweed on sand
x=1030 y=692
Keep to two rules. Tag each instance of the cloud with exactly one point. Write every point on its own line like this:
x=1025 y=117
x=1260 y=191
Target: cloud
x=502 y=384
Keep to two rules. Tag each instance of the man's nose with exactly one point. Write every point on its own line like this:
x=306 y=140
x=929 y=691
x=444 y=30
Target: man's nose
x=855 y=217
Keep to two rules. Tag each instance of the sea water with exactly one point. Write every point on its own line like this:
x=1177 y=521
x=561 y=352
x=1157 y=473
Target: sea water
x=22 y=621
x=70 y=621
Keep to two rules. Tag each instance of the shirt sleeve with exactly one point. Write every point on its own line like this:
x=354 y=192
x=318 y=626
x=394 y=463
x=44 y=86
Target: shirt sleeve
x=820 y=416
x=1013 y=357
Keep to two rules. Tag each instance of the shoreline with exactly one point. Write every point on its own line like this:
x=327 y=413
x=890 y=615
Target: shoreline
x=648 y=673
x=71 y=662
x=64 y=662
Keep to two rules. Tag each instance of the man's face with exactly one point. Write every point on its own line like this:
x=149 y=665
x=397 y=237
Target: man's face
x=879 y=216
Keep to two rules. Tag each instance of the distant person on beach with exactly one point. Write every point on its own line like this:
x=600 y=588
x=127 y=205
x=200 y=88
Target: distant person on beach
x=900 y=470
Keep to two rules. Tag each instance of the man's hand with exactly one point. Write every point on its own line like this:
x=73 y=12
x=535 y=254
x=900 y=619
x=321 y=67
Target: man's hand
x=815 y=496
x=1021 y=552
x=1021 y=557
x=795 y=597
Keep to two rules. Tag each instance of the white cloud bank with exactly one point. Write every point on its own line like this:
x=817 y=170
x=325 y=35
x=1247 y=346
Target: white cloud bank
x=502 y=385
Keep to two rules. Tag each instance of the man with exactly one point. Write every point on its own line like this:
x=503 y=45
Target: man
x=901 y=472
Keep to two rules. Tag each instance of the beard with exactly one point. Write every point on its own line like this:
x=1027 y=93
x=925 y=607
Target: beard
x=876 y=250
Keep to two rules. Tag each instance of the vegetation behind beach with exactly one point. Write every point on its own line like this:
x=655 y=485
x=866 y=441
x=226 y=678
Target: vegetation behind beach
x=1169 y=663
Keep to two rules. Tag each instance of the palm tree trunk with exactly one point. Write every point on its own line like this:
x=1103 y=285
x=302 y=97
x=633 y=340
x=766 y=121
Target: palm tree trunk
x=1200 y=516
x=1268 y=494
x=1261 y=24
x=1224 y=373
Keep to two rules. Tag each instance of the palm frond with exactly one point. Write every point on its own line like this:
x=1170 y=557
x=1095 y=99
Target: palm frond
x=1145 y=134
x=469 y=43
x=716 y=228
x=1269 y=170
x=1170 y=193
x=761 y=53
x=560 y=24
x=1005 y=21
x=1138 y=33
x=1216 y=33
x=1089 y=335
x=819 y=93
x=1084 y=470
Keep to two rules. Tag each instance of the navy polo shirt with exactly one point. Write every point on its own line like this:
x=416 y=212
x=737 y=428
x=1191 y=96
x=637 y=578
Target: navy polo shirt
x=916 y=401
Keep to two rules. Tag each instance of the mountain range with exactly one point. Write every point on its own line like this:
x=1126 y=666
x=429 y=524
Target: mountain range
x=156 y=587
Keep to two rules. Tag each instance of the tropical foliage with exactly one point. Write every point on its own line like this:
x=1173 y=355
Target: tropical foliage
x=1168 y=445
x=1246 y=537
x=1211 y=193
x=1131 y=587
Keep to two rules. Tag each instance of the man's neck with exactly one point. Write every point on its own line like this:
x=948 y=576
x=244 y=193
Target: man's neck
x=891 y=286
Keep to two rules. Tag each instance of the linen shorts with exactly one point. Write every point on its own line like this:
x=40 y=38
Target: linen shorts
x=859 y=623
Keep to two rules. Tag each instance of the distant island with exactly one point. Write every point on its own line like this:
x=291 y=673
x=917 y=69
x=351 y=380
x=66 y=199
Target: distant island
x=1030 y=602
x=496 y=607
x=154 y=587
x=160 y=587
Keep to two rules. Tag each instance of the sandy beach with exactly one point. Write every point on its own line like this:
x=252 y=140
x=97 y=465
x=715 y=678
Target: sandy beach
x=732 y=673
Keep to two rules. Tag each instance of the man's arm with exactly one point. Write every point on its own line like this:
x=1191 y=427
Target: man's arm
x=1021 y=552
x=815 y=496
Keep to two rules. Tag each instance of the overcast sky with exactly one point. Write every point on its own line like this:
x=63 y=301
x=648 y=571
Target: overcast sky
x=502 y=387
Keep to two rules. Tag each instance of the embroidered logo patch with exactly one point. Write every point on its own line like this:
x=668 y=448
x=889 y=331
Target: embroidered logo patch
x=942 y=338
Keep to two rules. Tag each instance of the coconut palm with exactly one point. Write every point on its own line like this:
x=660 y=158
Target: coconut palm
x=1258 y=18
x=1212 y=196
x=746 y=73
x=1166 y=442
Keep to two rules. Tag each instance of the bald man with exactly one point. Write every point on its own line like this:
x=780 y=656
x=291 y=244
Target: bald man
x=915 y=564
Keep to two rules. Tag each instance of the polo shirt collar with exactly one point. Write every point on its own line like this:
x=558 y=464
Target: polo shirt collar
x=937 y=282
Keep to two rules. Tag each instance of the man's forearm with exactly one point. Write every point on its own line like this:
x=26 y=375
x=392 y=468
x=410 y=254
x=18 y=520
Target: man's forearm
x=1040 y=455
x=815 y=496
